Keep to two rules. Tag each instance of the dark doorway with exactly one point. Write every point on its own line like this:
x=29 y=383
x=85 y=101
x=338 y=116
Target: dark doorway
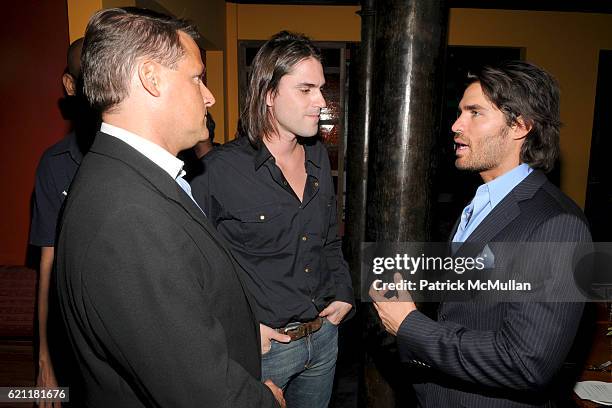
x=598 y=207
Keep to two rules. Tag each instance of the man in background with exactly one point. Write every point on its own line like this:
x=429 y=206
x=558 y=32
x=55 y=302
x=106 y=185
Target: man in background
x=56 y=169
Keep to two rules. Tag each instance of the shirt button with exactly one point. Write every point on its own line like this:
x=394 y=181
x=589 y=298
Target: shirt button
x=284 y=182
x=262 y=217
x=306 y=269
x=304 y=238
x=316 y=184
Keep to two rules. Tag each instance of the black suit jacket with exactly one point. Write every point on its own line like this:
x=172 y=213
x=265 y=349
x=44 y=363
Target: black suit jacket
x=149 y=293
x=502 y=354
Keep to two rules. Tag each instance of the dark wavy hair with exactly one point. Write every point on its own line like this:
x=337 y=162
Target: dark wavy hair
x=275 y=59
x=115 y=39
x=521 y=89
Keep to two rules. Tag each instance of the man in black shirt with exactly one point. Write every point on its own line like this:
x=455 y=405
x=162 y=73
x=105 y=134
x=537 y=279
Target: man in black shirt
x=270 y=194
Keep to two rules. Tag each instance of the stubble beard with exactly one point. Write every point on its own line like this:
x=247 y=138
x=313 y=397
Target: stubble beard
x=489 y=155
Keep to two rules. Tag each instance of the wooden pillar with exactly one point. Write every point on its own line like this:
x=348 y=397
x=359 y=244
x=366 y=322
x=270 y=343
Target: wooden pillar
x=407 y=84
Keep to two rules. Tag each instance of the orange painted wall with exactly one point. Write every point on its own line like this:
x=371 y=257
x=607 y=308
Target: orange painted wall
x=34 y=39
x=79 y=12
x=566 y=44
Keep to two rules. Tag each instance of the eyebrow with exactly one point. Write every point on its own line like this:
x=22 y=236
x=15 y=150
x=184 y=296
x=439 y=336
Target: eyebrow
x=472 y=107
x=307 y=85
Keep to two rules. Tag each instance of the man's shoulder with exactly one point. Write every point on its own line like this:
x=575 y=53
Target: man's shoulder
x=237 y=151
x=58 y=148
x=549 y=202
x=106 y=186
x=559 y=201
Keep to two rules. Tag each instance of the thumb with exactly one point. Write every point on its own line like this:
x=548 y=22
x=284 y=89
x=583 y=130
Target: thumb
x=325 y=312
x=402 y=295
x=283 y=338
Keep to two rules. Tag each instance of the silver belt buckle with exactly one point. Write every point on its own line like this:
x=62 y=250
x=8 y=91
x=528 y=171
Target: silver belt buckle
x=291 y=326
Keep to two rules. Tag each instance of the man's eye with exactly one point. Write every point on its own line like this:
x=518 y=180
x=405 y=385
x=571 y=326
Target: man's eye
x=475 y=113
x=305 y=90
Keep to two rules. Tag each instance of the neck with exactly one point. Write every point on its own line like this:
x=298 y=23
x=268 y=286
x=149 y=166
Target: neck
x=134 y=123
x=282 y=147
x=492 y=174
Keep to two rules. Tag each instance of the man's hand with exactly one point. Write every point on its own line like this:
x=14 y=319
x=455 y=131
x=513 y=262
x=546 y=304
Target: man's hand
x=267 y=334
x=392 y=311
x=336 y=311
x=46 y=379
x=278 y=393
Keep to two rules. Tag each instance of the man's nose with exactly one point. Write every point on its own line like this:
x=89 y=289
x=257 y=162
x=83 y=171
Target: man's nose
x=209 y=98
x=320 y=100
x=457 y=126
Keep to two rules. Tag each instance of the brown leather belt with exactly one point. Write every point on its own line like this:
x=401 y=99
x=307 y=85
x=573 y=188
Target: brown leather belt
x=298 y=330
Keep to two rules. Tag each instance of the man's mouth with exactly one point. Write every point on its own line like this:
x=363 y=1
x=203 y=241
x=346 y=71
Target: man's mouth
x=460 y=147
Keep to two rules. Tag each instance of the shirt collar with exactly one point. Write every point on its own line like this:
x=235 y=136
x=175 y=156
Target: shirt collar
x=69 y=145
x=501 y=186
x=73 y=148
x=157 y=154
x=310 y=153
x=262 y=154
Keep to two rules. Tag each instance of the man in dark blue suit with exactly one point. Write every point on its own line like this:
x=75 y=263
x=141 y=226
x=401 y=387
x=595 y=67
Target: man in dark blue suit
x=500 y=354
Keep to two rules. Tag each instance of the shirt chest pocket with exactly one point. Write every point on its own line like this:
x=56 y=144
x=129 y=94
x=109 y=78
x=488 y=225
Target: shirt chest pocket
x=262 y=227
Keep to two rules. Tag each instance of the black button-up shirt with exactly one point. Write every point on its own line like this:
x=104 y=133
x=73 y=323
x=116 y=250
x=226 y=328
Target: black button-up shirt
x=290 y=250
x=55 y=172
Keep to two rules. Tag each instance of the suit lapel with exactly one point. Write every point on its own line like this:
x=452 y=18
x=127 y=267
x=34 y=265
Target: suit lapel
x=502 y=215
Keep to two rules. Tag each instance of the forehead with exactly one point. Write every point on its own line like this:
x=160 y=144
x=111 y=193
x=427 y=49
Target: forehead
x=308 y=70
x=192 y=51
x=473 y=95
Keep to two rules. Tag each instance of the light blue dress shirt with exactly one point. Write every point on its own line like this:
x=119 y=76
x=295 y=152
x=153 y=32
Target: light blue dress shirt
x=487 y=197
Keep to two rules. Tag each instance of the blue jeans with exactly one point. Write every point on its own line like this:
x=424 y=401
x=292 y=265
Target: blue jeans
x=304 y=368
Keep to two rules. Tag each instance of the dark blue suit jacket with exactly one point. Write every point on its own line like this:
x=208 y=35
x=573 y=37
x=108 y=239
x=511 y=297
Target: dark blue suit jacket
x=503 y=354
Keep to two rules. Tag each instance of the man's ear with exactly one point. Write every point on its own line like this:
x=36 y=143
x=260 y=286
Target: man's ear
x=270 y=99
x=69 y=84
x=150 y=78
x=521 y=128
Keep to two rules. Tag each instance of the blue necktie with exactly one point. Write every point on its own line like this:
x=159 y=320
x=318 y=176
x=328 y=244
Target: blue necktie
x=187 y=189
x=470 y=213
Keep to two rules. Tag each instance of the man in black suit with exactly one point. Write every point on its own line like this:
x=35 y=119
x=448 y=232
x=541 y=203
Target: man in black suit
x=500 y=354
x=155 y=310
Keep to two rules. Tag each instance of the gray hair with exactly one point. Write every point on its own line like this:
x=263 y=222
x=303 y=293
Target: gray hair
x=115 y=39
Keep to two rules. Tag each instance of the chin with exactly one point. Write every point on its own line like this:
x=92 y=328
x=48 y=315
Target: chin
x=310 y=132
x=463 y=165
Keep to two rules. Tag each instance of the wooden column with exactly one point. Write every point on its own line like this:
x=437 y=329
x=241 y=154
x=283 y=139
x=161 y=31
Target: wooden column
x=407 y=84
